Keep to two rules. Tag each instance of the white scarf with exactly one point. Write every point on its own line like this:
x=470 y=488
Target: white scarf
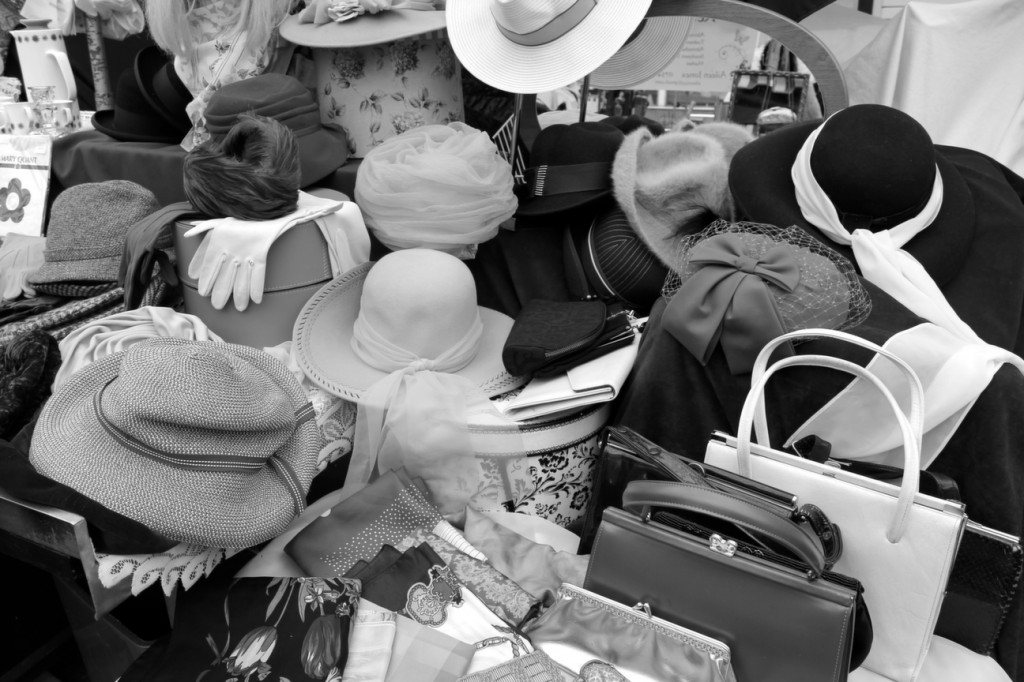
x=880 y=255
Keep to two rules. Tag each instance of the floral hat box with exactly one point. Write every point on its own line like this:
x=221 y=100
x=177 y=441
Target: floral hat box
x=379 y=91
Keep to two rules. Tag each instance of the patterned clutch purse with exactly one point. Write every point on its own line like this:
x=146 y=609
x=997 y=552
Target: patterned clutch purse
x=597 y=638
x=982 y=586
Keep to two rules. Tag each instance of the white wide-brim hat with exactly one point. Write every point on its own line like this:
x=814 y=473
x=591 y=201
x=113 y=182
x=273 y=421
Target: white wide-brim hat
x=323 y=342
x=645 y=55
x=531 y=46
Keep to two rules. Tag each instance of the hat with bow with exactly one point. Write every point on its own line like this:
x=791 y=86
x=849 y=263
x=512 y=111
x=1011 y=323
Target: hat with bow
x=740 y=285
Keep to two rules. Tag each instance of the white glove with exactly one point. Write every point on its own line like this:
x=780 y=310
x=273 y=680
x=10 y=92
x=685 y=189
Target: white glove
x=232 y=260
x=20 y=257
x=348 y=240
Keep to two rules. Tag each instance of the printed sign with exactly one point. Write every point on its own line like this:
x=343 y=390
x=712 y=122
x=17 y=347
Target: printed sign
x=710 y=53
x=24 y=182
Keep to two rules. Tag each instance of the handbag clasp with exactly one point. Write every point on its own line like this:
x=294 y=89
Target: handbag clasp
x=644 y=608
x=722 y=545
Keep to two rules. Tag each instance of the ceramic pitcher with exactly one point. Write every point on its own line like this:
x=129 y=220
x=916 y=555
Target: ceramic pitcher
x=44 y=61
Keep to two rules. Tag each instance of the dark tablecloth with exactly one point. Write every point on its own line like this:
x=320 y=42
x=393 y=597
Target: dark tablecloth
x=91 y=156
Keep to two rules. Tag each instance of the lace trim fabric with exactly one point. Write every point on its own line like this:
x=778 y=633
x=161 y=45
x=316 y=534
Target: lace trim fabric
x=183 y=563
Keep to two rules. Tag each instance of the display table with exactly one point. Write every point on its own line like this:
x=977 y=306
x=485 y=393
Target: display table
x=92 y=156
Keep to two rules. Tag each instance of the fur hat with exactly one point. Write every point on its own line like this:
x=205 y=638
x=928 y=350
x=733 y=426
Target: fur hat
x=28 y=365
x=676 y=184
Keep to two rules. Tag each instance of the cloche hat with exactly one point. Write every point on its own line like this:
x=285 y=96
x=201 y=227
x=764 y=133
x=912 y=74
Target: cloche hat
x=203 y=442
x=878 y=167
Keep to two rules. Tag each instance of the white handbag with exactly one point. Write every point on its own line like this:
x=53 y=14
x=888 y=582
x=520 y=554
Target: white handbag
x=898 y=542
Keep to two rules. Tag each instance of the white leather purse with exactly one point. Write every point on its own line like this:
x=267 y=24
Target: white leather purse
x=898 y=542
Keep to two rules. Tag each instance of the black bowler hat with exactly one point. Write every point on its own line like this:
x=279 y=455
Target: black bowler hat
x=133 y=119
x=877 y=165
x=161 y=87
x=570 y=167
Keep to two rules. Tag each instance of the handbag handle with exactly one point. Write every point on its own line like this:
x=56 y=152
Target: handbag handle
x=916 y=415
x=911 y=445
x=640 y=495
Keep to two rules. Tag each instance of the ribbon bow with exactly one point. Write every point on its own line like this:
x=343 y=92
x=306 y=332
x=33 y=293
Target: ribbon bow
x=728 y=300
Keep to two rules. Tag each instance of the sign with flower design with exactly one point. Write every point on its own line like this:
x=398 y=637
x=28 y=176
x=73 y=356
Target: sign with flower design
x=24 y=182
x=380 y=91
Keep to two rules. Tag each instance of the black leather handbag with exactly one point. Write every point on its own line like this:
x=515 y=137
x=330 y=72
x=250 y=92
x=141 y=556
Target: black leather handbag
x=785 y=619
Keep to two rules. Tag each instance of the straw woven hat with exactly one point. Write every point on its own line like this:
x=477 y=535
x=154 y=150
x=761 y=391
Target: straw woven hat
x=207 y=443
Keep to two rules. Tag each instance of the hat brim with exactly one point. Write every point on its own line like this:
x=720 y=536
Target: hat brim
x=184 y=505
x=321 y=152
x=92 y=270
x=323 y=343
x=368 y=29
x=539 y=206
x=494 y=59
x=148 y=62
x=761 y=185
x=645 y=56
x=103 y=121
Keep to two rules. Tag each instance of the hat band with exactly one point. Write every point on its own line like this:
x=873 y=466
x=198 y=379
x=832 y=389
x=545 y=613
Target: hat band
x=545 y=180
x=222 y=464
x=551 y=31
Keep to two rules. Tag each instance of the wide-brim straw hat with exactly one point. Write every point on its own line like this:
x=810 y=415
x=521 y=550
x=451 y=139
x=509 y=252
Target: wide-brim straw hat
x=531 y=46
x=648 y=51
x=324 y=329
x=207 y=443
x=368 y=29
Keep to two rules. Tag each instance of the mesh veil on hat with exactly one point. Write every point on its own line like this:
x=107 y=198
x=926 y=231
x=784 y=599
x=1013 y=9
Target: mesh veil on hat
x=742 y=284
x=207 y=443
x=87 y=229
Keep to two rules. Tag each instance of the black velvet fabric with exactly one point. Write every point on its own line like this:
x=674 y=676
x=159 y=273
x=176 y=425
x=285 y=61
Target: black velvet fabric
x=676 y=402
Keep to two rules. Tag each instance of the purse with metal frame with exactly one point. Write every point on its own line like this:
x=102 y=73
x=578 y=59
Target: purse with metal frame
x=784 y=619
x=582 y=631
x=626 y=455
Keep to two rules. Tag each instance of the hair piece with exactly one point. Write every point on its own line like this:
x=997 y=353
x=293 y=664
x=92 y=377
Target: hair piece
x=253 y=173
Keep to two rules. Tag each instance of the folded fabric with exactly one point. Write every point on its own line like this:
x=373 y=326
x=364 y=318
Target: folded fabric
x=535 y=667
x=370 y=643
x=424 y=654
x=293 y=628
x=22 y=308
x=21 y=255
x=539 y=569
x=498 y=592
x=74 y=289
x=382 y=513
x=118 y=332
x=419 y=585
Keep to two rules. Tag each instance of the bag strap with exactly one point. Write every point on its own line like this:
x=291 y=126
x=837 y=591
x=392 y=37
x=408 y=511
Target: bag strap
x=916 y=416
x=641 y=495
x=911 y=444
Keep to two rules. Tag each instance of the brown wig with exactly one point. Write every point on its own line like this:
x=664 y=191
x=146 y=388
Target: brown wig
x=251 y=174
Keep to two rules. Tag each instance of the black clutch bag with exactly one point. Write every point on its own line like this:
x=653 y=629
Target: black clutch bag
x=550 y=337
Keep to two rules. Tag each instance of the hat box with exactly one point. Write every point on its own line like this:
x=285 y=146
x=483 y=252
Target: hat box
x=298 y=265
x=378 y=91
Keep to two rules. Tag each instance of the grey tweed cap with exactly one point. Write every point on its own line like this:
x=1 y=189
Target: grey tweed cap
x=87 y=229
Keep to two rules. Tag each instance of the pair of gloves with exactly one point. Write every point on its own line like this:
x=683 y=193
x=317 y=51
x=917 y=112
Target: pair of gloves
x=20 y=257
x=231 y=262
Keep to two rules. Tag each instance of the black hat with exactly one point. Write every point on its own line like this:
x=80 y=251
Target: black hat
x=877 y=165
x=570 y=167
x=161 y=87
x=133 y=119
